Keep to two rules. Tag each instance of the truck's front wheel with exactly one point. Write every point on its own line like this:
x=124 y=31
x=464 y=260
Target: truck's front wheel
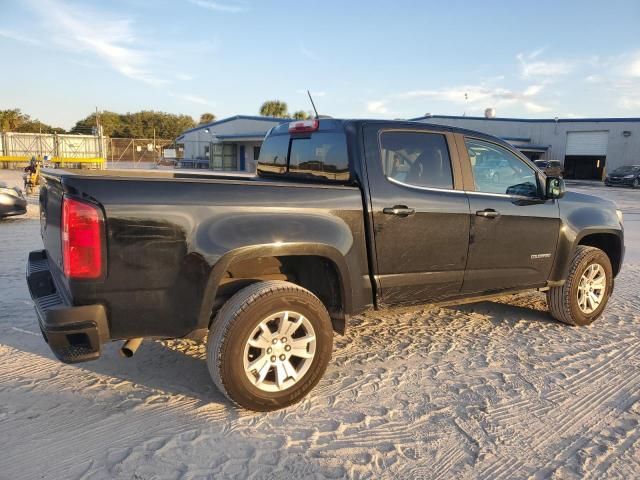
x=585 y=293
x=269 y=345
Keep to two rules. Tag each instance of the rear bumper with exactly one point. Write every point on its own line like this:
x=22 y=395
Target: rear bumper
x=74 y=333
x=618 y=182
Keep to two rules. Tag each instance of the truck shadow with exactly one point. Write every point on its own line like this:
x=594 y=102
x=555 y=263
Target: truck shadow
x=500 y=312
x=178 y=367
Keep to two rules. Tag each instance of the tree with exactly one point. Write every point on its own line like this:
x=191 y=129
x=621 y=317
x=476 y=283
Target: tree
x=138 y=125
x=10 y=120
x=15 y=121
x=301 y=115
x=111 y=123
x=36 y=126
x=274 y=108
x=207 y=118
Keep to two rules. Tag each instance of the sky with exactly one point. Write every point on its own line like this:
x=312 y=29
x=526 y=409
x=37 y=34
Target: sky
x=62 y=59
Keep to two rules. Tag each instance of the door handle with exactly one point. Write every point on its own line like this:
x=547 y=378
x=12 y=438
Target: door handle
x=488 y=213
x=400 y=210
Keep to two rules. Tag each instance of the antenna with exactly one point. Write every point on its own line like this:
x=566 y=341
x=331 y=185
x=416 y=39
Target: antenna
x=313 y=104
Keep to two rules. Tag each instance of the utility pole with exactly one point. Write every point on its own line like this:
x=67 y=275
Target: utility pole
x=98 y=133
x=154 y=145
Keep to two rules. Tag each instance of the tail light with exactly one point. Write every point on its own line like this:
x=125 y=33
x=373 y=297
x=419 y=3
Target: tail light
x=304 y=126
x=82 y=246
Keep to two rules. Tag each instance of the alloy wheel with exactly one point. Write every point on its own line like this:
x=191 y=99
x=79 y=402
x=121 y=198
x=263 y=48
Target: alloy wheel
x=591 y=288
x=279 y=351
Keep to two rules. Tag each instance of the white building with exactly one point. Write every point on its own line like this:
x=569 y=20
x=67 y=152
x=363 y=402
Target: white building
x=588 y=147
x=231 y=144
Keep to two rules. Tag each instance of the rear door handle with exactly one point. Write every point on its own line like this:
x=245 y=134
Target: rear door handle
x=400 y=210
x=488 y=213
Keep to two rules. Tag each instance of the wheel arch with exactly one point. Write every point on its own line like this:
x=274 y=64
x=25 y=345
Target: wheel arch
x=243 y=266
x=607 y=241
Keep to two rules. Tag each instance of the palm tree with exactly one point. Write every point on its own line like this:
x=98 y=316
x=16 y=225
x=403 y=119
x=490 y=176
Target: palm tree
x=300 y=115
x=207 y=118
x=274 y=108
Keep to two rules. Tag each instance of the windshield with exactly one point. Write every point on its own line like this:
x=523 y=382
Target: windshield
x=627 y=169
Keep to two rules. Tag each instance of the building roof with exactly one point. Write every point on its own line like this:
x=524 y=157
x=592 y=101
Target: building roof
x=242 y=136
x=530 y=120
x=237 y=117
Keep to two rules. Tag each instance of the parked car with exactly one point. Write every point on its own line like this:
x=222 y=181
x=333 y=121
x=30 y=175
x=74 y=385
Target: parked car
x=551 y=168
x=495 y=170
x=628 y=175
x=343 y=216
x=12 y=201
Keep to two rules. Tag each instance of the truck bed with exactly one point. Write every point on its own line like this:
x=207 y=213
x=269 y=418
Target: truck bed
x=166 y=232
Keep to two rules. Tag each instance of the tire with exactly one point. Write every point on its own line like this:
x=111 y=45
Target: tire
x=636 y=183
x=563 y=301
x=230 y=355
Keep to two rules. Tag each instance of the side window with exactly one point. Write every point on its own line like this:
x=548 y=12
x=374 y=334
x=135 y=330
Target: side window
x=416 y=158
x=273 y=154
x=321 y=155
x=496 y=170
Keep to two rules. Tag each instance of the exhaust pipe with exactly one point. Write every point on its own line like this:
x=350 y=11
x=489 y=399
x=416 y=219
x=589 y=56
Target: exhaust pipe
x=130 y=346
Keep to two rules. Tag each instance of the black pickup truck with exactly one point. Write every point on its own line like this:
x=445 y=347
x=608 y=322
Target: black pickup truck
x=342 y=216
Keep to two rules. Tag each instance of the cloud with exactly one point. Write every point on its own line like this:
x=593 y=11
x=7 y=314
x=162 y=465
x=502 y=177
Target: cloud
x=530 y=67
x=629 y=103
x=231 y=7
x=532 y=90
x=110 y=39
x=633 y=68
x=184 y=76
x=535 y=107
x=18 y=37
x=377 y=106
x=619 y=77
x=595 y=78
x=192 y=98
x=481 y=96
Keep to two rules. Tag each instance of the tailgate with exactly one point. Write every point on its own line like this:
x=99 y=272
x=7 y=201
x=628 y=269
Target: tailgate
x=50 y=217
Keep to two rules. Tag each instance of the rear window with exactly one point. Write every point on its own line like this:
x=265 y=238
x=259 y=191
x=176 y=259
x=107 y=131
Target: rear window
x=273 y=154
x=321 y=155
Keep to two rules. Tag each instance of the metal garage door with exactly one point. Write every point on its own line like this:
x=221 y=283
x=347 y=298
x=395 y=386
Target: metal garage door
x=587 y=143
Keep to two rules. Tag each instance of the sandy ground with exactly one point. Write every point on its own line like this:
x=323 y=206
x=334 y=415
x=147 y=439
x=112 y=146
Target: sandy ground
x=491 y=390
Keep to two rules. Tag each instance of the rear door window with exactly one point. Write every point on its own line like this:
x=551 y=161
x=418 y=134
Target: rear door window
x=416 y=158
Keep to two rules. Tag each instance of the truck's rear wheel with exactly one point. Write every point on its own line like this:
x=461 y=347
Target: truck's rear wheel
x=269 y=345
x=584 y=295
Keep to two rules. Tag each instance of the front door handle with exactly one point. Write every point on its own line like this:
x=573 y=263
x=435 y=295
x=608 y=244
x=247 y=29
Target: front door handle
x=400 y=210
x=488 y=213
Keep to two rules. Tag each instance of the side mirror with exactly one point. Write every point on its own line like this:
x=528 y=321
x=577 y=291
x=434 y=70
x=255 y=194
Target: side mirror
x=555 y=187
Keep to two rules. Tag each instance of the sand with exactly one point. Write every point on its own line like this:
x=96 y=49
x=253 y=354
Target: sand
x=491 y=390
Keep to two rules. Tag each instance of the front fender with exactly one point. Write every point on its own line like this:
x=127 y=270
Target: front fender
x=582 y=215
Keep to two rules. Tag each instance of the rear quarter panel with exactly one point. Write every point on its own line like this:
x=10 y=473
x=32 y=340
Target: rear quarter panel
x=164 y=239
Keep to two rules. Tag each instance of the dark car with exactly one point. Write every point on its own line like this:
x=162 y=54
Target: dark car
x=627 y=176
x=551 y=168
x=343 y=216
x=12 y=201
